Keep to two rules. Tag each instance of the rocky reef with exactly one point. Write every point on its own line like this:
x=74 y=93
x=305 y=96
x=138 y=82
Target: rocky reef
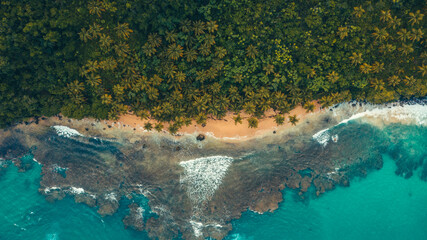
x=195 y=188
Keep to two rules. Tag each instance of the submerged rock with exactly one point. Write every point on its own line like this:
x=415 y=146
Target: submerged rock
x=200 y=137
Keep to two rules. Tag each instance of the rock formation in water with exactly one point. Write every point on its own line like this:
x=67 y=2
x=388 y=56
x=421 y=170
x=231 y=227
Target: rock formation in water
x=195 y=188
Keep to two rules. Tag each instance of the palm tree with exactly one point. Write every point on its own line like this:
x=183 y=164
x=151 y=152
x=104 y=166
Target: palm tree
x=326 y=101
x=198 y=27
x=106 y=99
x=333 y=76
x=252 y=122
x=309 y=107
x=152 y=93
x=251 y=51
x=394 y=22
x=75 y=87
x=123 y=31
x=154 y=40
x=380 y=34
x=416 y=34
x=190 y=55
x=293 y=119
x=365 y=68
x=96 y=7
x=209 y=39
x=269 y=69
x=171 y=36
x=201 y=76
x=403 y=35
x=356 y=58
x=156 y=80
x=415 y=18
x=105 y=41
x=237 y=119
x=175 y=51
x=342 y=32
x=211 y=26
x=170 y=70
x=279 y=119
x=157 y=112
x=385 y=16
x=201 y=118
x=200 y=103
x=393 y=80
x=358 y=11
x=95 y=30
x=387 y=48
x=158 y=127
x=186 y=26
x=409 y=80
x=148 y=126
x=92 y=66
x=217 y=64
x=94 y=80
x=77 y=99
x=377 y=67
x=249 y=107
x=211 y=73
x=180 y=77
x=377 y=84
x=122 y=49
x=205 y=49
x=85 y=35
x=220 y=52
x=406 y=49
x=148 y=49
x=215 y=88
x=422 y=70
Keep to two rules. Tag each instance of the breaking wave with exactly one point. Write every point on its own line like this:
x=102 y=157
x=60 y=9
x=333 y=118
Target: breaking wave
x=65 y=131
x=202 y=176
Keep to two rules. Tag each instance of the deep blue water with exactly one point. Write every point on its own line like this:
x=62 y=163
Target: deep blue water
x=380 y=206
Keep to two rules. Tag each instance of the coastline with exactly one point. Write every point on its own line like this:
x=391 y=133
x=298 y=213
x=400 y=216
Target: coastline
x=226 y=129
x=112 y=160
x=223 y=129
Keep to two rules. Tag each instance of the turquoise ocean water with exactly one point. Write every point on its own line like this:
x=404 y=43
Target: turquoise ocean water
x=380 y=206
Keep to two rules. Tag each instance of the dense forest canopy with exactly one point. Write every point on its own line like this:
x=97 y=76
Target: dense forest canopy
x=178 y=60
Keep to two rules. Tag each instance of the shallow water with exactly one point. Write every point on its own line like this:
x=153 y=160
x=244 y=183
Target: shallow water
x=25 y=214
x=380 y=206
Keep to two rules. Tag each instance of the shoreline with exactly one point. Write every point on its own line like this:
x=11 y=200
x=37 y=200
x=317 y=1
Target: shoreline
x=182 y=167
x=225 y=128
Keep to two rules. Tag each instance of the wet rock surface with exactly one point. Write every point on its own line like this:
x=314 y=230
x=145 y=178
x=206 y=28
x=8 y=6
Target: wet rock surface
x=101 y=169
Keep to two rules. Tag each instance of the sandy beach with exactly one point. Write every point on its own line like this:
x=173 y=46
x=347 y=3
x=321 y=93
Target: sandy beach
x=225 y=128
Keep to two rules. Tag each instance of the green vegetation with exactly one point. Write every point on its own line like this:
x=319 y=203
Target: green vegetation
x=173 y=61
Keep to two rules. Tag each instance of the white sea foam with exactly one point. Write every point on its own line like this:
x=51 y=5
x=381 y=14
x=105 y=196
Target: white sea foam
x=412 y=114
x=140 y=212
x=76 y=190
x=111 y=196
x=322 y=137
x=197 y=228
x=49 y=189
x=202 y=176
x=335 y=138
x=65 y=131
